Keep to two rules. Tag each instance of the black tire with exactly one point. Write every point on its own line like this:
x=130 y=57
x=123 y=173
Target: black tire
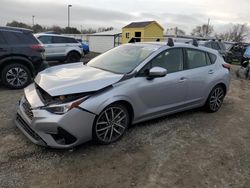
x=215 y=99
x=16 y=76
x=73 y=57
x=108 y=129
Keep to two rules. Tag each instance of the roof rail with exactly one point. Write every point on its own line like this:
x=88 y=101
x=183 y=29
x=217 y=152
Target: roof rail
x=195 y=43
x=170 y=42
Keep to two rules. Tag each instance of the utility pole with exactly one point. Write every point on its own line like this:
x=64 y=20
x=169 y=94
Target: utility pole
x=208 y=22
x=33 y=20
x=69 y=15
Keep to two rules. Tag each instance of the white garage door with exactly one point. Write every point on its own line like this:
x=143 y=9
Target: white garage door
x=101 y=44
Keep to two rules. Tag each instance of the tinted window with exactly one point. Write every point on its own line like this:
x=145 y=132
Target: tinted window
x=2 y=41
x=45 y=39
x=212 y=58
x=222 y=46
x=172 y=60
x=195 y=58
x=215 y=46
x=71 y=40
x=13 y=37
x=208 y=45
x=59 y=40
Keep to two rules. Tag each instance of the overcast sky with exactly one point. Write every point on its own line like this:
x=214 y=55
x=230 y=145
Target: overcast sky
x=117 y=13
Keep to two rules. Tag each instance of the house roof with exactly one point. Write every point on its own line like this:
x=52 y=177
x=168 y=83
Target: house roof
x=138 y=24
x=107 y=33
x=141 y=24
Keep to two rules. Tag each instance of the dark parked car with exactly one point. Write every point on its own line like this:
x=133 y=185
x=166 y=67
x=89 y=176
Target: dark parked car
x=219 y=46
x=21 y=57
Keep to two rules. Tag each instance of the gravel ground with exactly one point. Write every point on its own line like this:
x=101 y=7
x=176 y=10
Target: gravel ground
x=189 y=149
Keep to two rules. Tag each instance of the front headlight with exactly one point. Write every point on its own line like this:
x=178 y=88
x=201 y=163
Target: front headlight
x=63 y=108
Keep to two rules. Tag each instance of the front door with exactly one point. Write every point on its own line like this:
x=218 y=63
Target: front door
x=164 y=94
x=137 y=36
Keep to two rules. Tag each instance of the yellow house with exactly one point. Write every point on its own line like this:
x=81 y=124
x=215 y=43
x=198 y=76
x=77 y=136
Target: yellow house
x=142 y=31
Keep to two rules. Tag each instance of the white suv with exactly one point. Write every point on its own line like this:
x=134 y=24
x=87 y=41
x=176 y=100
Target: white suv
x=61 y=48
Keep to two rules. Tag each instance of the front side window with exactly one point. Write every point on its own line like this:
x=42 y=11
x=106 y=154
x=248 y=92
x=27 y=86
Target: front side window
x=195 y=58
x=171 y=60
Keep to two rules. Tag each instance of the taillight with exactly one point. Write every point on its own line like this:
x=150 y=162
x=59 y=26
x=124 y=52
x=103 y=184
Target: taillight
x=37 y=47
x=226 y=66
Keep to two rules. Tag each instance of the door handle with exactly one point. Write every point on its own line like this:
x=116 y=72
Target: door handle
x=182 y=79
x=210 y=71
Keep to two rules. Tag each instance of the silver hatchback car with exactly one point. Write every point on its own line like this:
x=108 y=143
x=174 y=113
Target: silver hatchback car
x=68 y=105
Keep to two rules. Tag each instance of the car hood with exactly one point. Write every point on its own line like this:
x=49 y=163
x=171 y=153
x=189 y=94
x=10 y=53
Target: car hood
x=74 y=78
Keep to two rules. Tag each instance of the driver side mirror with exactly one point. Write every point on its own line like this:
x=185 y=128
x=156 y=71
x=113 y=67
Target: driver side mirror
x=156 y=72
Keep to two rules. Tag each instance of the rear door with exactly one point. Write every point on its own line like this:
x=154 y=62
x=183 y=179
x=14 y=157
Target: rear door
x=60 y=46
x=4 y=47
x=199 y=73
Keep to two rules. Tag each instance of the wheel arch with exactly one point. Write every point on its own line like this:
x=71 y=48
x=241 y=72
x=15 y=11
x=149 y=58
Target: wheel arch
x=73 y=51
x=128 y=106
x=16 y=59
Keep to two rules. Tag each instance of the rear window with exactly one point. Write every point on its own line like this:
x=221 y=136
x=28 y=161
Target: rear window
x=215 y=46
x=14 y=37
x=208 y=45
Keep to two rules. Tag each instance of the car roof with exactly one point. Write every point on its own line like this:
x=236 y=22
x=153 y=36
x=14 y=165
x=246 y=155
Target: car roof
x=17 y=29
x=180 y=45
x=53 y=35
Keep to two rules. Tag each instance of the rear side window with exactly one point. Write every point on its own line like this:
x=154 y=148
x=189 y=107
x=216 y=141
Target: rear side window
x=208 y=45
x=215 y=46
x=45 y=39
x=71 y=40
x=58 y=40
x=212 y=58
x=13 y=37
x=195 y=58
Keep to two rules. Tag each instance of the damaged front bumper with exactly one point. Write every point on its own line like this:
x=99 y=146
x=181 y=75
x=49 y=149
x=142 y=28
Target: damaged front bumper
x=48 y=129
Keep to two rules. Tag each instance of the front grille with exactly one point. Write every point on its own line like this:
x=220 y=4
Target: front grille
x=26 y=127
x=27 y=109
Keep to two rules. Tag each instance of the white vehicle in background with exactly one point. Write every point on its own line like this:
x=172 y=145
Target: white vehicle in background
x=60 y=48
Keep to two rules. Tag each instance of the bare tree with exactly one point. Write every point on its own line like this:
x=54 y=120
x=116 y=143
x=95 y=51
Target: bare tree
x=238 y=33
x=203 y=30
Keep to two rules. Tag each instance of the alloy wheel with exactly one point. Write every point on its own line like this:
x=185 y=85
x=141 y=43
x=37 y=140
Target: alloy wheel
x=216 y=99
x=17 y=76
x=111 y=124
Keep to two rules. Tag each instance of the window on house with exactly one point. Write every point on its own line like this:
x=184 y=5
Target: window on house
x=127 y=35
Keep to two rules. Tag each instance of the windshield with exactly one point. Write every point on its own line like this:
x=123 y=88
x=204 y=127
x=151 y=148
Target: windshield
x=123 y=59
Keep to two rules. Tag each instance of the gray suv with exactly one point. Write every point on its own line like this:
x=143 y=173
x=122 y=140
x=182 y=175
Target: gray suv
x=61 y=48
x=74 y=103
x=217 y=45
